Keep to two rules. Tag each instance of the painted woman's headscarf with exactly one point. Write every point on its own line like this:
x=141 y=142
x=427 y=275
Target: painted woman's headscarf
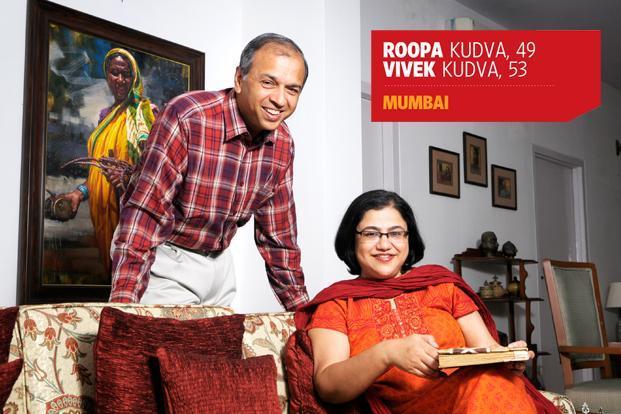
x=139 y=114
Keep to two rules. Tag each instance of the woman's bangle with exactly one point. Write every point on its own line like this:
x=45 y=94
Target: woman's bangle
x=84 y=190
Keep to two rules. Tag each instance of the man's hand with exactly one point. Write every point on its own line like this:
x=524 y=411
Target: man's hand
x=416 y=354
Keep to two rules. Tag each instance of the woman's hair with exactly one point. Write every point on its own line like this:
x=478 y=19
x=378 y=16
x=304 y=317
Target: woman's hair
x=345 y=241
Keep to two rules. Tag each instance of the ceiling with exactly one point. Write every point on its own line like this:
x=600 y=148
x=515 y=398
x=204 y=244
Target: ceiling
x=604 y=15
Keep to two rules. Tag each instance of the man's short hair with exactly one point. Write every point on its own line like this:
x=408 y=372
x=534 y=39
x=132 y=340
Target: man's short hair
x=345 y=241
x=247 y=55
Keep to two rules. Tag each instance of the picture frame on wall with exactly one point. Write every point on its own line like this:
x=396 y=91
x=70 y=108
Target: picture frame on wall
x=444 y=174
x=72 y=104
x=504 y=187
x=475 y=159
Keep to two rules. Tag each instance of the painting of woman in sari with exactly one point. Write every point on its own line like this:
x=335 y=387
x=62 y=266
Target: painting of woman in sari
x=102 y=102
x=121 y=133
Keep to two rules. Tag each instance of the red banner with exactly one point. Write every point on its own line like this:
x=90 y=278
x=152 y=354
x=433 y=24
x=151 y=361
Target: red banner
x=484 y=75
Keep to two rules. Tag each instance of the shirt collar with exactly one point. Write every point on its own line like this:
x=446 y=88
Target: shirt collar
x=234 y=123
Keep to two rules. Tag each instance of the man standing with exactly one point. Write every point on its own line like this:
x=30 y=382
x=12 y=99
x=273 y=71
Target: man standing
x=212 y=160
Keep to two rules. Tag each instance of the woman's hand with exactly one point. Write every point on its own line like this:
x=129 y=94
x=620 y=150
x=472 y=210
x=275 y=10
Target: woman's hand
x=416 y=354
x=519 y=366
x=75 y=197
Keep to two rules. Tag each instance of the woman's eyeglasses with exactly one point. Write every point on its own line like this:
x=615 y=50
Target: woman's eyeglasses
x=373 y=236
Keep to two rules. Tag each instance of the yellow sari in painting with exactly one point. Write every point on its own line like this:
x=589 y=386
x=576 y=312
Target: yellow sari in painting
x=118 y=135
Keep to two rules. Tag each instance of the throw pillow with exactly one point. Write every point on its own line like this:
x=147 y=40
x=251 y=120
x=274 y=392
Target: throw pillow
x=302 y=395
x=7 y=324
x=200 y=384
x=126 y=366
x=8 y=375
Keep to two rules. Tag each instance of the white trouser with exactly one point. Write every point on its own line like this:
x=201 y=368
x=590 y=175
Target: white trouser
x=181 y=276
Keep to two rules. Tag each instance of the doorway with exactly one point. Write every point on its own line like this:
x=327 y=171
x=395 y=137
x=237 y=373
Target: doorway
x=561 y=235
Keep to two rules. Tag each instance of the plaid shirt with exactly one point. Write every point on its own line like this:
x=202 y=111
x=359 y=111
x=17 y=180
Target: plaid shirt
x=199 y=179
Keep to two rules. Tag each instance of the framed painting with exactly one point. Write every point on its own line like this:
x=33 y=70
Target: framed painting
x=443 y=172
x=475 y=159
x=504 y=187
x=92 y=92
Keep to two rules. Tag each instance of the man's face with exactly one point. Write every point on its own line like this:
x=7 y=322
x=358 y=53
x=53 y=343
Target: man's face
x=270 y=91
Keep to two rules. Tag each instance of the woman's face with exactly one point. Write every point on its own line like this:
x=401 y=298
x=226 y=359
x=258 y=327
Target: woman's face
x=383 y=257
x=119 y=78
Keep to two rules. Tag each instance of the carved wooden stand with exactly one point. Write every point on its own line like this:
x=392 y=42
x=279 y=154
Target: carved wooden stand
x=473 y=256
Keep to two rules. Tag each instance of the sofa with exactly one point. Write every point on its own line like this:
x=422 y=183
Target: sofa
x=56 y=344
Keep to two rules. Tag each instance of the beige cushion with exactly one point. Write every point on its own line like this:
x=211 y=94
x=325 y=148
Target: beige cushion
x=267 y=334
x=561 y=402
x=602 y=393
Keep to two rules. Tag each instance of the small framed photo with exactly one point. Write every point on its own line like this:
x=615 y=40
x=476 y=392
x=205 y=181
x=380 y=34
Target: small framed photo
x=475 y=159
x=443 y=172
x=504 y=187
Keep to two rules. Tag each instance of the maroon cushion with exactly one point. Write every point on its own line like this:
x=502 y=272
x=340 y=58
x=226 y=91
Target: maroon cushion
x=302 y=395
x=7 y=324
x=125 y=364
x=200 y=384
x=8 y=375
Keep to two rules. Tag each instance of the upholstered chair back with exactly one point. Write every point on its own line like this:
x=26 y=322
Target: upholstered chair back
x=577 y=296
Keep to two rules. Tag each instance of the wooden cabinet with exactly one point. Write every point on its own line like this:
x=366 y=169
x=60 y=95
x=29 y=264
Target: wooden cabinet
x=473 y=258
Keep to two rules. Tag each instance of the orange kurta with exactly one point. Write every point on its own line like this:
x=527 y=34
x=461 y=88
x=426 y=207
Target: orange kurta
x=433 y=311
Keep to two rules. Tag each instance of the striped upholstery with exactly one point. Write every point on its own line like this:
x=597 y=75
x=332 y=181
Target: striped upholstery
x=579 y=310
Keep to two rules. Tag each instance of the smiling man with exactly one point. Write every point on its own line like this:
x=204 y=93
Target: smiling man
x=214 y=159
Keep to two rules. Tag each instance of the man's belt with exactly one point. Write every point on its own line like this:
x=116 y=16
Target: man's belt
x=212 y=254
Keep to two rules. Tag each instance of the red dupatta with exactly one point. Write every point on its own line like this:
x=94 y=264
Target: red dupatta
x=415 y=279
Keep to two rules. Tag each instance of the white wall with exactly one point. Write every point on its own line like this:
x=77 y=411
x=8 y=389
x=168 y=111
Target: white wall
x=327 y=172
x=450 y=225
x=325 y=180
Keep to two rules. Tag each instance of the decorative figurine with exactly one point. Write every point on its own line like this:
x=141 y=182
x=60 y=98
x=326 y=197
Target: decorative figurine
x=486 y=291
x=497 y=290
x=513 y=288
x=509 y=249
x=489 y=244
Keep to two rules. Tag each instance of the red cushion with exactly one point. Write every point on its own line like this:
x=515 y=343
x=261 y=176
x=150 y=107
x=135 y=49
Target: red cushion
x=125 y=364
x=201 y=384
x=302 y=395
x=8 y=375
x=7 y=324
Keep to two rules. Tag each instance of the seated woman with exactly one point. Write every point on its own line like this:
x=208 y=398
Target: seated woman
x=379 y=334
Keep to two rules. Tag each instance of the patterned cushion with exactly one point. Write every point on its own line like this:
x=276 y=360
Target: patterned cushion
x=126 y=347
x=7 y=323
x=8 y=375
x=201 y=384
x=267 y=334
x=561 y=402
x=59 y=374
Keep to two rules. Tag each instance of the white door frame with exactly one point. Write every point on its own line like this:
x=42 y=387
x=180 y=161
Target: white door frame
x=390 y=148
x=577 y=169
x=579 y=205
